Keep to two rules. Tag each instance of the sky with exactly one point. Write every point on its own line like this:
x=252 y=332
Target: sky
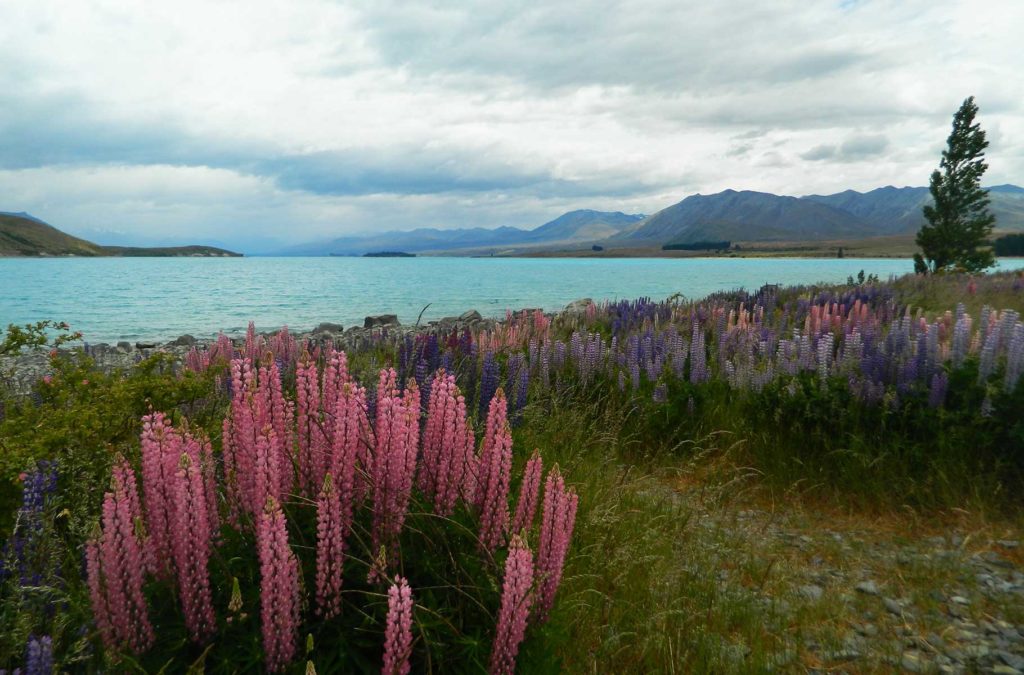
x=259 y=124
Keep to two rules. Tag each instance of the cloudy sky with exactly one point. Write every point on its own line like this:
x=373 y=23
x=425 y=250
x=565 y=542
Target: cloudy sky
x=251 y=123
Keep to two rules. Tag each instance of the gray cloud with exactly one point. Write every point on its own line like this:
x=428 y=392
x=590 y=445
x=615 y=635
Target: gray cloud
x=853 y=149
x=243 y=121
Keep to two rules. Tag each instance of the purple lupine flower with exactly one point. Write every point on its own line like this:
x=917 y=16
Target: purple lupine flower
x=39 y=656
x=1014 y=358
x=25 y=547
x=937 y=391
x=491 y=372
x=661 y=393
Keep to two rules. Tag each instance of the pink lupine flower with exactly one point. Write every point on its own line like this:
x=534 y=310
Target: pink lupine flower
x=267 y=472
x=494 y=474
x=279 y=588
x=282 y=418
x=398 y=633
x=335 y=377
x=516 y=599
x=191 y=546
x=312 y=443
x=209 y=471
x=161 y=448
x=557 y=521
x=330 y=550
x=351 y=447
x=394 y=463
x=444 y=459
x=115 y=566
x=529 y=491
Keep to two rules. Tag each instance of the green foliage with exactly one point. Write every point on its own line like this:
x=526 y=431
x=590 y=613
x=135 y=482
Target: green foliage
x=83 y=416
x=1010 y=244
x=959 y=222
x=36 y=336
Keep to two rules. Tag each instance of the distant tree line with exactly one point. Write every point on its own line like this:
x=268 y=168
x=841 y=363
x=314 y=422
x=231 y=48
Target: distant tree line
x=698 y=246
x=1010 y=244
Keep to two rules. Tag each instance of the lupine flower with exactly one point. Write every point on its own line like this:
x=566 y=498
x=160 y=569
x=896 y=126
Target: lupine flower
x=161 y=450
x=279 y=588
x=312 y=441
x=190 y=541
x=529 y=491
x=398 y=632
x=937 y=391
x=394 y=462
x=493 y=475
x=516 y=600
x=557 y=521
x=330 y=550
x=115 y=564
x=25 y=548
x=489 y=377
x=39 y=656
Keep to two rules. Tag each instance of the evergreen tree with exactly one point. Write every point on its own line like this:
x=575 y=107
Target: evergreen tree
x=959 y=223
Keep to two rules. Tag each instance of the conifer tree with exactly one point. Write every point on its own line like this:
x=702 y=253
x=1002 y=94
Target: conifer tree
x=956 y=235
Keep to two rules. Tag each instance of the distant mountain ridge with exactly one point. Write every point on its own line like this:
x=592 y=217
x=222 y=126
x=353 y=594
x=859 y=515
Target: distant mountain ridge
x=574 y=227
x=23 y=235
x=760 y=216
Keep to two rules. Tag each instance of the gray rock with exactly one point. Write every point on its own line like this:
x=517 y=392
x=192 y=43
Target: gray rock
x=892 y=606
x=124 y=346
x=1013 y=660
x=912 y=662
x=471 y=315
x=868 y=587
x=578 y=306
x=812 y=592
x=327 y=327
x=381 y=320
x=1008 y=543
x=1003 y=669
x=184 y=341
x=145 y=345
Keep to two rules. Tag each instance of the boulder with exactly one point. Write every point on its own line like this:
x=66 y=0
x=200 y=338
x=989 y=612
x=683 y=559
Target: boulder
x=578 y=306
x=327 y=327
x=380 y=321
x=470 y=316
x=145 y=345
x=124 y=346
x=185 y=340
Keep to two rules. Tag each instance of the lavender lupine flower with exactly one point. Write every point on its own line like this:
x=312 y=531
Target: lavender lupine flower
x=39 y=656
x=987 y=362
x=489 y=377
x=660 y=393
x=398 y=631
x=516 y=600
x=937 y=391
x=1014 y=358
x=698 y=357
x=24 y=548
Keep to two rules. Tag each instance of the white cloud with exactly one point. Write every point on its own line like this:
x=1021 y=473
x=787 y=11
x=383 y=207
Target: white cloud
x=233 y=120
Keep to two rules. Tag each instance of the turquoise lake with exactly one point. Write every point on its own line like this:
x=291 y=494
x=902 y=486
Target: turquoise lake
x=111 y=299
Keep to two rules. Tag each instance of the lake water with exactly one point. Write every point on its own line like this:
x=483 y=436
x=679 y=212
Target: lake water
x=111 y=299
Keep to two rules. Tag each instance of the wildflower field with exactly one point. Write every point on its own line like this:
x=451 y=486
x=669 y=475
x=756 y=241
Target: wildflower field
x=536 y=497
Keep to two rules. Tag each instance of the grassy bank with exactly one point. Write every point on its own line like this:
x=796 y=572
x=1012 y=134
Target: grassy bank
x=741 y=508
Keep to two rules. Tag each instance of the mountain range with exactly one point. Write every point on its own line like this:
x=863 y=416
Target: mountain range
x=731 y=215
x=737 y=216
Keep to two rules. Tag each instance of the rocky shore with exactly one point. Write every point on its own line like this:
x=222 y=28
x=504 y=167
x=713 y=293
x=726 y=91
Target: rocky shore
x=19 y=373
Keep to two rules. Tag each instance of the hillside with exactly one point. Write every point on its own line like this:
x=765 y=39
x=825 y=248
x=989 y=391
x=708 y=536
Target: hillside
x=22 y=235
x=764 y=217
x=752 y=216
x=582 y=226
